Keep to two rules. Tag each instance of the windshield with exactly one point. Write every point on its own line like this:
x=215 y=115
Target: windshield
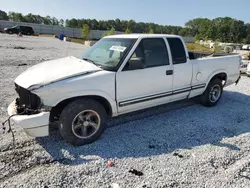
x=108 y=52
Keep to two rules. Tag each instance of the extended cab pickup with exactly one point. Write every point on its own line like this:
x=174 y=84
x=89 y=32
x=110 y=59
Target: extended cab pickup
x=118 y=75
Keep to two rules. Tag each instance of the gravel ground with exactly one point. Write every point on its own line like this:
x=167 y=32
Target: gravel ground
x=177 y=145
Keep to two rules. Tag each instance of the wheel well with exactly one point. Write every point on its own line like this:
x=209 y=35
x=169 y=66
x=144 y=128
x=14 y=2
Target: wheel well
x=56 y=110
x=222 y=76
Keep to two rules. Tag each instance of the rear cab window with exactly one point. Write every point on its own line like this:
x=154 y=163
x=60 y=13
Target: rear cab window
x=177 y=50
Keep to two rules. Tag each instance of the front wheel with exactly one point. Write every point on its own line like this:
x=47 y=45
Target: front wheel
x=82 y=121
x=212 y=94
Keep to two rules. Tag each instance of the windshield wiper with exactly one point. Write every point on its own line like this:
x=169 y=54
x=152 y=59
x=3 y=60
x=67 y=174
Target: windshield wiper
x=89 y=60
x=96 y=64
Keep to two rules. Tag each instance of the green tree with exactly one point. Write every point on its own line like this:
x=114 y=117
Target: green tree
x=128 y=31
x=72 y=23
x=248 y=29
x=3 y=15
x=140 y=27
x=61 y=22
x=131 y=25
x=118 y=25
x=55 y=21
x=202 y=28
x=238 y=31
x=85 y=31
x=16 y=17
x=151 y=31
x=246 y=40
x=112 y=31
x=31 y=18
x=47 y=20
x=124 y=25
x=229 y=29
x=186 y=32
x=183 y=32
x=167 y=29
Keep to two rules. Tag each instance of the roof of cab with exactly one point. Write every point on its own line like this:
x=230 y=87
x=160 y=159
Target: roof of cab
x=135 y=36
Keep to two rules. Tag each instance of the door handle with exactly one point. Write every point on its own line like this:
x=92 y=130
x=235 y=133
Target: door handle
x=169 y=72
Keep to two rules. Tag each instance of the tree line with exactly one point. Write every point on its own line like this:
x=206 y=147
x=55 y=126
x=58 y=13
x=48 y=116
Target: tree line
x=30 y=18
x=224 y=29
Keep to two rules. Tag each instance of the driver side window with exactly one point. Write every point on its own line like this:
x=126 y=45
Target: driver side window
x=149 y=53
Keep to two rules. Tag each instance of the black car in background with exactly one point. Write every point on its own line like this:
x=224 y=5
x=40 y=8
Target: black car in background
x=25 y=30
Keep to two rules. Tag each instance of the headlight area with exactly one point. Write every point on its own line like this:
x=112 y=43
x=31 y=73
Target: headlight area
x=28 y=112
x=29 y=103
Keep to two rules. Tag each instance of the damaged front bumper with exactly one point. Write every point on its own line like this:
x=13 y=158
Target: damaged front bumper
x=35 y=125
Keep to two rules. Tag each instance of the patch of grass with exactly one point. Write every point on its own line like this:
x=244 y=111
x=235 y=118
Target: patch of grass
x=198 y=47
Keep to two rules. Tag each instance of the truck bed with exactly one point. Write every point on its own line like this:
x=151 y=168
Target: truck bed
x=229 y=64
x=198 y=54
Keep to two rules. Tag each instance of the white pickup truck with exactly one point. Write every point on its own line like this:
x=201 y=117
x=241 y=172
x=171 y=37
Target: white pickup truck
x=118 y=75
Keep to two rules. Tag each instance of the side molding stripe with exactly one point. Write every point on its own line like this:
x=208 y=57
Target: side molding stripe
x=160 y=95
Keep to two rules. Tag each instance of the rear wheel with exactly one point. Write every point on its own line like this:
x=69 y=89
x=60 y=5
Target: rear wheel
x=82 y=121
x=212 y=94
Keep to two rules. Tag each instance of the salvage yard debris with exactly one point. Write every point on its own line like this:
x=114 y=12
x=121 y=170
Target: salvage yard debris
x=19 y=47
x=22 y=64
x=135 y=172
x=177 y=154
x=110 y=163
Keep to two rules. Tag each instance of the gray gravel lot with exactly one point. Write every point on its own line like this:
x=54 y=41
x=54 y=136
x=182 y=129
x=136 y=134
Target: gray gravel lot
x=177 y=145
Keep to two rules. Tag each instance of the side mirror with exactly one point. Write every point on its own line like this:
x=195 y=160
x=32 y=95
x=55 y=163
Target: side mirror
x=136 y=63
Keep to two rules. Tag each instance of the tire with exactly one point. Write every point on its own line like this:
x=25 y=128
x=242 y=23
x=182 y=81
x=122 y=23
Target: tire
x=206 y=99
x=74 y=125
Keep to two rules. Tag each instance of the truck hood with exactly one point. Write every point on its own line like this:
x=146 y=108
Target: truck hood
x=53 y=71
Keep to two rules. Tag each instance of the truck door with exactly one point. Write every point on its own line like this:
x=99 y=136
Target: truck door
x=183 y=69
x=146 y=78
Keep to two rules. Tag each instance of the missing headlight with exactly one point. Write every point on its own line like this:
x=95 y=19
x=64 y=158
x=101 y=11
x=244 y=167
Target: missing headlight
x=27 y=100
